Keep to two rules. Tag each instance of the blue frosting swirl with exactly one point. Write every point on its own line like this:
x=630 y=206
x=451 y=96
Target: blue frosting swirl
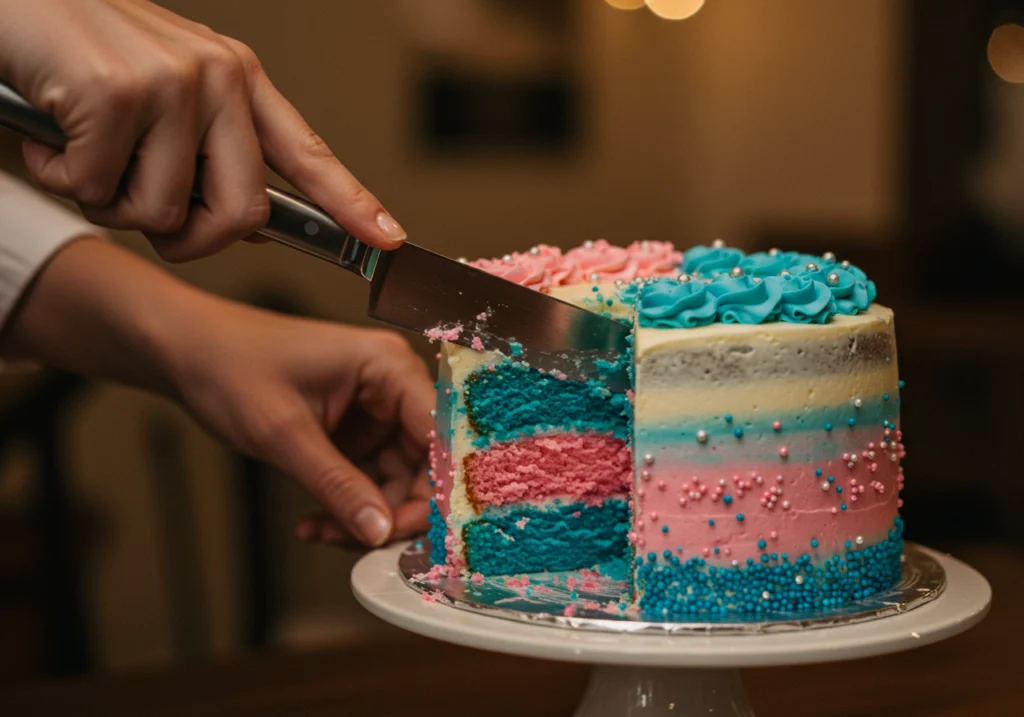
x=742 y=300
x=852 y=294
x=763 y=264
x=667 y=304
x=805 y=300
x=709 y=261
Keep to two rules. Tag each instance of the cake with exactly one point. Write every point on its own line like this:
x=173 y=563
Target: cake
x=752 y=467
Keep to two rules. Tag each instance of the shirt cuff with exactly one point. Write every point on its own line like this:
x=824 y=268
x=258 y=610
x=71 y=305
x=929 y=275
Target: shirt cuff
x=33 y=228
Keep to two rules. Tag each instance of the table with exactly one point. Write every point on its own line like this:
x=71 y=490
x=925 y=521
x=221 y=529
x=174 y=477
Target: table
x=977 y=674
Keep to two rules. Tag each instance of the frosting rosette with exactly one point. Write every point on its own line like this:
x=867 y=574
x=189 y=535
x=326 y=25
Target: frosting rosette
x=850 y=288
x=668 y=304
x=655 y=258
x=805 y=300
x=604 y=260
x=764 y=264
x=522 y=269
x=744 y=300
x=711 y=260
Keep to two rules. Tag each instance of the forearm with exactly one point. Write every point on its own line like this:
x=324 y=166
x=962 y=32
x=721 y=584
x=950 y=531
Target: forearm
x=98 y=310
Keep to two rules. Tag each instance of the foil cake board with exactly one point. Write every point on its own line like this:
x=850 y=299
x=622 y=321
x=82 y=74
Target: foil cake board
x=599 y=601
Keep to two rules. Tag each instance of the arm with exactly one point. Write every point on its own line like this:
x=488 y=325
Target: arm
x=314 y=399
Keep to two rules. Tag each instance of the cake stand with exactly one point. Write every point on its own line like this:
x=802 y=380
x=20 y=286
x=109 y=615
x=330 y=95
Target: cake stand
x=654 y=675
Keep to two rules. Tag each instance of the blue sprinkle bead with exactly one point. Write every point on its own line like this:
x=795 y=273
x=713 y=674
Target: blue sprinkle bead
x=664 y=529
x=831 y=479
x=728 y=418
x=814 y=542
x=727 y=499
x=762 y=544
x=817 y=472
x=738 y=433
x=842 y=507
x=852 y=421
x=739 y=517
x=828 y=427
x=901 y=383
x=711 y=522
x=885 y=397
x=692 y=588
x=839 y=489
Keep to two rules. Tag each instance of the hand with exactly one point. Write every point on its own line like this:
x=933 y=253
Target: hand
x=141 y=93
x=343 y=410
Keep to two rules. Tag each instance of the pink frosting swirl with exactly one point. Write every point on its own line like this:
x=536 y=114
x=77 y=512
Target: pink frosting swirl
x=655 y=258
x=605 y=261
x=521 y=269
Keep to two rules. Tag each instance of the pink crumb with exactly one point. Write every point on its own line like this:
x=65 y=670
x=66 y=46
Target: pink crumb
x=436 y=596
x=576 y=514
x=570 y=610
x=482 y=316
x=476 y=578
x=477 y=344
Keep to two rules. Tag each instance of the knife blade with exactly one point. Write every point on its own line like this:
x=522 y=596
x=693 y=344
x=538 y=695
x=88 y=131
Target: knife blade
x=419 y=290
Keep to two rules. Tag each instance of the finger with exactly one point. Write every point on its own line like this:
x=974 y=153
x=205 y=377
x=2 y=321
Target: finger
x=156 y=197
x=234 y=198
x=302 y=449
x=99 y=145
x=411 y=521
x=299 y=155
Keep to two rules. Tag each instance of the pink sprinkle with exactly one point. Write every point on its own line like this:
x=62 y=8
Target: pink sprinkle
x=645 y=474
x=662 y=485
x=682 y=500
x=447 y=392
x=476 y=578
x=777 y=425
x=641 y=527
x=784 y=452
x=853 y=481
x=435 y=596
x=727 y=550
x=654 y=515
x=437 y=356
x=899 y=503
x=482 y=316
x=834 y=511
x=774 y=535
x=476 y=344
x=642 y=542
x=570 y=611
x=641 y=492
x=632 y=537
x=706 y=552
x=576 y=514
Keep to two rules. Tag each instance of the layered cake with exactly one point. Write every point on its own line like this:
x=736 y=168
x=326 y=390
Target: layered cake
x=753 y=465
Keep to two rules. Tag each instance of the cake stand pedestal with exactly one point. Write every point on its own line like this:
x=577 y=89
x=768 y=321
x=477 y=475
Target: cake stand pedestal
x=671 y=675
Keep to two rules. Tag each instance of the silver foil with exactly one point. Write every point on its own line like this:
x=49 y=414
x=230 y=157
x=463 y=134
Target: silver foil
x=598 y=603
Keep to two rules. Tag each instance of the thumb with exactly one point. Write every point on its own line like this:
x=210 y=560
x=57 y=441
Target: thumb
x=307 y=454
x=48 y=167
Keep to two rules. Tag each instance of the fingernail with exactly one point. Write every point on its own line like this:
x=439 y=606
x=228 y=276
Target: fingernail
x=392 y=229
x=373 y=525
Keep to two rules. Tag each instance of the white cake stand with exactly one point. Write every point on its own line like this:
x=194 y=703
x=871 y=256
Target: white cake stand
x=671 y=675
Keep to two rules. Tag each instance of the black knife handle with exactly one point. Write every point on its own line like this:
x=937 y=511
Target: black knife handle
x=293 y=222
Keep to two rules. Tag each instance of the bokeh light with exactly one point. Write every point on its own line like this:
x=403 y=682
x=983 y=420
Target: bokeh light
x=1006 y=52
x=674 y=9
x=626 y=4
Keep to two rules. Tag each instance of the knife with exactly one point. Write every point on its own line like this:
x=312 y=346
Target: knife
x=419 y=290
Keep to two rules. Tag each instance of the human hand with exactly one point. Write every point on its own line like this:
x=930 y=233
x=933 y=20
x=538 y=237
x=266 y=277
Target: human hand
x=343 y=410
x=141 y=93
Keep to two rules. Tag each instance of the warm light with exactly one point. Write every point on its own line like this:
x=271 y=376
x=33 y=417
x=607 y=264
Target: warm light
x=1006 y=52
x=674 y=9
x=626 y=4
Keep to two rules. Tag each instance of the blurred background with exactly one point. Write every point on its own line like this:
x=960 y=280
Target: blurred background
x=888 y=131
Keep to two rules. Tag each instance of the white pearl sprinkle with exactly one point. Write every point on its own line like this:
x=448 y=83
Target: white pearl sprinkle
x=702 y=436
x=825 y=486
x=845 y=264
x=588 y=244
x=785 y=504
x=735 y=563
x=893 y=457
x=683 y=278
x=462 y=260
x=766 y=595
x=773 y=252
x=507 y=258
x=853 y=458
x=649 y=459
x=858 y=403
x=811 y=266
x=860 y=540
x=534 y=250
x=799 y=579
x=785 y=272
x=736 y=272
x=757 y=279
x=433 y=413
x=833 y=279
x=595 y=278
x=829 y=256
x=718 y=243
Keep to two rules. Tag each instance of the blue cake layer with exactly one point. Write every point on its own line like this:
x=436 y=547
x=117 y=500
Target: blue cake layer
x=437 y=533
x=513 y=400
x=562 y=536
x=674 y=589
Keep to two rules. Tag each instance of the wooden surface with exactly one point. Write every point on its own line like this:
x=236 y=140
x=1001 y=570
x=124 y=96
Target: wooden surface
x=978 y=674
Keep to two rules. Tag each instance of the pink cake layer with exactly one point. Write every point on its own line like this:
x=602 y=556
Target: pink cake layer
x=684 y=497
x=583 y=467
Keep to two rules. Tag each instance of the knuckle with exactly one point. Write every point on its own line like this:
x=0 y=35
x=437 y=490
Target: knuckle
x=166 y=218
x=313 y=146
x=117 y=88
x=223 y=67
x=175 y=77
x=273 y=431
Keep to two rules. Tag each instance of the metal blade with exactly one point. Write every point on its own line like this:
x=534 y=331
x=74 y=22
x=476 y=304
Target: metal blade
x=420 y=290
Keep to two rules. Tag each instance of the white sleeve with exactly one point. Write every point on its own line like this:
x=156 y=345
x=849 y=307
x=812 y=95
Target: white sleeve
x=32 y=228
